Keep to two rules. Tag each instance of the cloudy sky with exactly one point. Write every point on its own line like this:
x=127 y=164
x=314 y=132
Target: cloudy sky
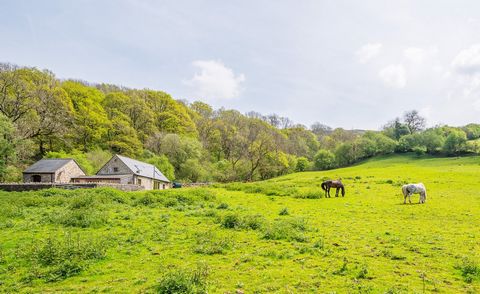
x=351 y=64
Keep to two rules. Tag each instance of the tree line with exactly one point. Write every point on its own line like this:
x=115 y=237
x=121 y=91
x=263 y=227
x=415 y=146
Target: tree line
x=43 y=116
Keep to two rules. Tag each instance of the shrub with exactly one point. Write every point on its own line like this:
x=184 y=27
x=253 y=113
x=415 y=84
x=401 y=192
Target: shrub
x=237 y=221
x=81 y=218
x=310 y=194
x=183 y=281
x=210 y=243
x=60 y=257
x=284 y=211
x=222 y=205
x=324 y=159
x=290 y=230
x=469 y=269
x=419 y=150
x=231 y=221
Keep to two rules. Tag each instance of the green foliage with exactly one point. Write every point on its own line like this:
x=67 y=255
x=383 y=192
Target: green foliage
x=50 y=116
x=455 y=142
x=6 y=144
x=469 y=269
x=91 y=120
x=302 y=164
x=211 y=243
x=183 y=281
x=287 y=229
x=324 y=159
x=161 y=162
x=346 y=242
x=346 y=154
x=60 y=257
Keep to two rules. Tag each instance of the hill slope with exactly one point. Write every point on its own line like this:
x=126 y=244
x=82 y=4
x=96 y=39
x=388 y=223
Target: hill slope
x=274 y=236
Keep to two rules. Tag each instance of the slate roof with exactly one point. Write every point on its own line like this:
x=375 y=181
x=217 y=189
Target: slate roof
x=143 y=169
x=47 y=165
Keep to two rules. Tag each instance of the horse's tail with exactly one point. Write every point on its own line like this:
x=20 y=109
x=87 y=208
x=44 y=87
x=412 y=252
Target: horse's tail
x=343 y=190
x=324 y=186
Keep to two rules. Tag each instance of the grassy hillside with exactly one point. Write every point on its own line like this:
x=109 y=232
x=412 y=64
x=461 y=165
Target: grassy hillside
x=279 y=235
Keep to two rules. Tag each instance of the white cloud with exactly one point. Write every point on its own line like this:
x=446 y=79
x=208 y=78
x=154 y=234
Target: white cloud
x=468 y=60
x=394 y=76
x=414 y=54
x=215 y=81
x=368 y=51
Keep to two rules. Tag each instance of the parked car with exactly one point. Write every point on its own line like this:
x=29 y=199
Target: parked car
x=176 y=185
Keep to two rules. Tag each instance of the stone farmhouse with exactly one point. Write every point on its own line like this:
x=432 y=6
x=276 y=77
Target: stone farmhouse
x=52 y=170
x=119 y=170
x=123 y=170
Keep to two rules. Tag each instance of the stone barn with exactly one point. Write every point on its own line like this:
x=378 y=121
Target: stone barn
x=52 y=170
x=123 y=170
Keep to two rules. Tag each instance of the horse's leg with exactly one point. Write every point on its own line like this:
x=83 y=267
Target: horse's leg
x=410 y=197
x=336 y=193
x=329 y=192
x=405 y=199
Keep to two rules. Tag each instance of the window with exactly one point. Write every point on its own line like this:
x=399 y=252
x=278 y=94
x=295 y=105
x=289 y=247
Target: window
x=36 y=178
x=115 y=169
x=139 y=181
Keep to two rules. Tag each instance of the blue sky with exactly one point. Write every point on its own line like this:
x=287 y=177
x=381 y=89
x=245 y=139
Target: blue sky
x=351 y=64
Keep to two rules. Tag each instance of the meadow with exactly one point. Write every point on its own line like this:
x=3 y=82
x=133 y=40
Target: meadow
x=275 y=236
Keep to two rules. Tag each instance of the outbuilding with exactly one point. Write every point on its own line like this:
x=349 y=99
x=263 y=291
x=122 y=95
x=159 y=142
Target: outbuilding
x=123 y=170
x=52 y=170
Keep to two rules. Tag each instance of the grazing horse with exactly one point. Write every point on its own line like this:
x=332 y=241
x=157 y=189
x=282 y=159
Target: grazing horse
x=410 y=189
x=333 y=184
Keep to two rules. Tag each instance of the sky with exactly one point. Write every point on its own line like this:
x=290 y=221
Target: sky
x=351 y=64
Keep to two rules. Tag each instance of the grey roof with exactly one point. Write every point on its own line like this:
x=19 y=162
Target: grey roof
x=47 y=165
x=143 y=169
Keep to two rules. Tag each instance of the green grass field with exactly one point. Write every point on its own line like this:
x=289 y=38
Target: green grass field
x=277 y=236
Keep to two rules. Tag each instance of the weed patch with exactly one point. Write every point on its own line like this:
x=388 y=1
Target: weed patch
x=184 y=281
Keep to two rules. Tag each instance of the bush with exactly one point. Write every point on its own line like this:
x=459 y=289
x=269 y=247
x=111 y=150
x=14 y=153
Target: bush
x=324 y=159
x=210 y=243
x=222 y=205
x=311 y=194
x=182 y=281
x=284 y=211
x=231 y=221
x=60 y=257
x=419 y=150
x=470 y=270
x=290 y=230
x=302 y=164
x=237 y=221
x=455 y=142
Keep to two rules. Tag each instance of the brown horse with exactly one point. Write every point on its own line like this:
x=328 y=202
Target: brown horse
x=327 y=185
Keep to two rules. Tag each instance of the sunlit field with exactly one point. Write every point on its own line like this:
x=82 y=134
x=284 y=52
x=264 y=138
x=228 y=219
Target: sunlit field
x=277 y=236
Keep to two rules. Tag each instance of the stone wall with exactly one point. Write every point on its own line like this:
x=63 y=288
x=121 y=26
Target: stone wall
x=44 y=178
x=20 y=187
x=67 y=172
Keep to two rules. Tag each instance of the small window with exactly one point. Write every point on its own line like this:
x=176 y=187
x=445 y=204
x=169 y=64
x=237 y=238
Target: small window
x=139 y=182
x=115 y=169
x=36 y=178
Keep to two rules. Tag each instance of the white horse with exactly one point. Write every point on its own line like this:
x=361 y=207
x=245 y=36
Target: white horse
x=410 y=189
